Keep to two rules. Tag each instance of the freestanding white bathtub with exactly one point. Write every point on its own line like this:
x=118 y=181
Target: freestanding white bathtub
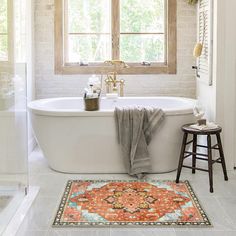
x=78 y=141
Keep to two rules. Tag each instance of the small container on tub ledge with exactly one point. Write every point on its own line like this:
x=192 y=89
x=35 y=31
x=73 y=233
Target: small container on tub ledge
x=91 y=98
x=91 y=104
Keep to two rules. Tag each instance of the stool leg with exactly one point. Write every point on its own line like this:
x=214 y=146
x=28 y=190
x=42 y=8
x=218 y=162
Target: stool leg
x=194 y=150
x=181 y=158
x=210 y=162
x=222 y=156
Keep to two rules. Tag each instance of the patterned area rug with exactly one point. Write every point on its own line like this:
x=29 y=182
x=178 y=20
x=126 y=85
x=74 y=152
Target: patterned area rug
x=138 y=203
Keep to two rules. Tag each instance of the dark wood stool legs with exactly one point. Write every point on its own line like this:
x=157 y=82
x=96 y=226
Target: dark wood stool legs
x=222 y=156
x=209 y=152
x=194 y=151
x=199 y=156
x=181 y=158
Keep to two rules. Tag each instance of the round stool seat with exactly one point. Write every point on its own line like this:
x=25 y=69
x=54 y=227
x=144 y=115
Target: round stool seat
x=195 y=151
x=187 y=129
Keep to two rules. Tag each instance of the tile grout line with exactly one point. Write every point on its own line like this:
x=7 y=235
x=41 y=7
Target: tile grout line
x=228 y=217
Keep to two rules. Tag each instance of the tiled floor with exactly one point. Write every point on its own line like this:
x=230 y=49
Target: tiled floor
x=220 y=206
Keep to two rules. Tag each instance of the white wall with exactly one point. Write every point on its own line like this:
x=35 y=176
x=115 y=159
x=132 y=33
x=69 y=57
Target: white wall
x=226 y=79
x=220 y=99
x=206 y=94
x=50 y=85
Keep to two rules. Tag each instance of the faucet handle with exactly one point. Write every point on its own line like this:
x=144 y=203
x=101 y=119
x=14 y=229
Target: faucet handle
x=122 y=84
x=108 y=84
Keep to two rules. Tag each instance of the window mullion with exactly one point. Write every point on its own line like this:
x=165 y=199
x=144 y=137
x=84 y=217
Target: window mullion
x=66 y=34
x=115 y=28
x=166 y=30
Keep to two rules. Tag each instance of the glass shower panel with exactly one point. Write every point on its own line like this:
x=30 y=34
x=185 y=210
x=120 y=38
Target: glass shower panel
x=13 y=113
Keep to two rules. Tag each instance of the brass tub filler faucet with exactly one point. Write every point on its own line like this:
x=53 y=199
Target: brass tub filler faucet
x=111 y=81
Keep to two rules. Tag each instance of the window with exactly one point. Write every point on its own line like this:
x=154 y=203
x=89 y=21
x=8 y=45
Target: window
x=5 y=31
x=141 y=33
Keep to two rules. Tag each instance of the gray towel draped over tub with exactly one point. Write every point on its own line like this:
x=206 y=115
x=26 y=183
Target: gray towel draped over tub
x=135 y=128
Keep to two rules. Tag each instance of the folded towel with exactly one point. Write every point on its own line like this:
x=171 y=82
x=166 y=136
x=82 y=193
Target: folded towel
x=135 y=128
x=208 y=126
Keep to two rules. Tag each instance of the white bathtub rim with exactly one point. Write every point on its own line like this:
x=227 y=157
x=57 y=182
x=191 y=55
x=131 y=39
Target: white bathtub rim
x=36 y=107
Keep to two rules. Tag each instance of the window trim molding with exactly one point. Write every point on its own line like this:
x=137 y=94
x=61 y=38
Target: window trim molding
x=97 y=68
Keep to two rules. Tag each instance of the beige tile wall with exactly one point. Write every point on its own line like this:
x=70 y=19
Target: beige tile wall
x=50 y=85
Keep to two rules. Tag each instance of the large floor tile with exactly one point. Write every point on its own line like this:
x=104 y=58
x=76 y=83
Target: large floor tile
x=32 y=233
x=80 y=232
x=229 y=206
x=143 y=232
x=205 y=233
x=219 y=219
x=40 y=215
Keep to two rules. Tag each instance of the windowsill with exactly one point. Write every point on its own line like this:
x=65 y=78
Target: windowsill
x=159 y=68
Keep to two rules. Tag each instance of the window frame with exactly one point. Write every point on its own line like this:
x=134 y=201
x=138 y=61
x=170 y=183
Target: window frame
x=168 y=67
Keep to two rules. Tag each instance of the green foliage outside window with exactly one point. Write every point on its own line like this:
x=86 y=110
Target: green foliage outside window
x=3 y=31
x=136 y=16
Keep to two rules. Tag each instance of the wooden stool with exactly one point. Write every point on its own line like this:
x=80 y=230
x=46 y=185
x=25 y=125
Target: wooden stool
x=199 y=156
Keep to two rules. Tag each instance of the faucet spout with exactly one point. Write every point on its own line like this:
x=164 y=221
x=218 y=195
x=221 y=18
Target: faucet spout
x=112 y=81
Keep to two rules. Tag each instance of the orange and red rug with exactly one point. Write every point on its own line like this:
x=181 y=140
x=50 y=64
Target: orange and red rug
x=138 y=203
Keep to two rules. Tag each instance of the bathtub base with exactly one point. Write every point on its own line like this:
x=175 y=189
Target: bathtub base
x=86 y=142
x=96 y=172
x=95 y=149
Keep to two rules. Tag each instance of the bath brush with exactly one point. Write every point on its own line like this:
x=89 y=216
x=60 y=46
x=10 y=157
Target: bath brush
x=197 y=52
